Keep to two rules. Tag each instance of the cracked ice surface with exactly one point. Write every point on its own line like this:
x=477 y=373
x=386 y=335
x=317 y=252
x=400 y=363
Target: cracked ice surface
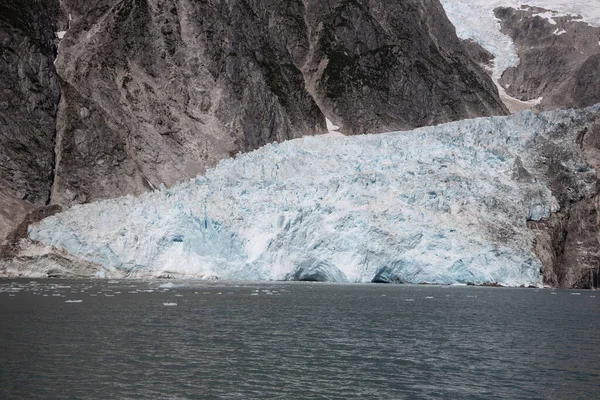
x=438 y=204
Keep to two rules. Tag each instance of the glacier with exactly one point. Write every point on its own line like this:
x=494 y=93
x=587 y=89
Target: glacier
x=475 y=19
x=446 y=204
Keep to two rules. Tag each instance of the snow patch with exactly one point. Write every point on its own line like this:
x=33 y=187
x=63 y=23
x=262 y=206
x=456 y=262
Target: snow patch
x=559 y=32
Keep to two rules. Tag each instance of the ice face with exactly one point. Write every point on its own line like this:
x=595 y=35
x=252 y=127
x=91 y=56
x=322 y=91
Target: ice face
x=445 y=204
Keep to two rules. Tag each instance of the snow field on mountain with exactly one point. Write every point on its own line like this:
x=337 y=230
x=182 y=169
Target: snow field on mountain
x=474 y=19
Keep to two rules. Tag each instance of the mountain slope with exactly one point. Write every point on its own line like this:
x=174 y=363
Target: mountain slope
x=545 y=51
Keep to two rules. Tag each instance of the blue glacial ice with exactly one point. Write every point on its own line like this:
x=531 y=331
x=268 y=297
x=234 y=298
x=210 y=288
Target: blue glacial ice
x=438 y=204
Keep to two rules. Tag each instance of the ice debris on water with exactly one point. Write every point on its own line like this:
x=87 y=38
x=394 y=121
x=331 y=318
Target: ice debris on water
x=446 y=204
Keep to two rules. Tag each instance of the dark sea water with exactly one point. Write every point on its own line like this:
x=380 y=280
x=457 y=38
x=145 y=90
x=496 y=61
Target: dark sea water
x=295 y=341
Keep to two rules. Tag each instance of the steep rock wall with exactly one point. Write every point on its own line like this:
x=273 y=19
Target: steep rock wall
x=568 y=243
x=377 y=66
x=160 y=90
x=29 y=93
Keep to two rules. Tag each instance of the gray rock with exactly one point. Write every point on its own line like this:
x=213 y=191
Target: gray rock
x=559 y=62
x=388 y=65
x=29 y=93
x=480 y=55
x=158 y=91
x=568 y=243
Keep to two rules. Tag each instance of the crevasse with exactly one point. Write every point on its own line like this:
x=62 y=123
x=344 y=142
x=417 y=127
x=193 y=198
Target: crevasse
x=445 y=204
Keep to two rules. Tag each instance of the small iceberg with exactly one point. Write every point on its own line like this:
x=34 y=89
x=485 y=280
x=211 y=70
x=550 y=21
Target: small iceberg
x=73 y=301
x=169 y=304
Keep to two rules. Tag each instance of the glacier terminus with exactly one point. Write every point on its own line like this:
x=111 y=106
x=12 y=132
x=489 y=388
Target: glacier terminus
x=446 y=204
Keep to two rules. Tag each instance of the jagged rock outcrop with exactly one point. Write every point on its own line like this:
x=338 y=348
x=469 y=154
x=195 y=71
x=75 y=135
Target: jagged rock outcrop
x=480 y=55
x=157 y=91
x=29 y=93
x=559 y=59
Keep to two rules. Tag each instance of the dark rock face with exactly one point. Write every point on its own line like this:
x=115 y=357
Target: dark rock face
x=568 y=244
x=157 y=91
x=559 y=62
x=378 y=66
x=29 y=94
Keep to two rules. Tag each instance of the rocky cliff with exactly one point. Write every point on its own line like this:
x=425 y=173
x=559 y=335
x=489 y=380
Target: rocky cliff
x=29 y=93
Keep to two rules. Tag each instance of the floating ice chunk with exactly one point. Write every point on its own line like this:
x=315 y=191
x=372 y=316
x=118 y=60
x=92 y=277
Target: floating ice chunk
x=169 y=304
x=73 y=301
